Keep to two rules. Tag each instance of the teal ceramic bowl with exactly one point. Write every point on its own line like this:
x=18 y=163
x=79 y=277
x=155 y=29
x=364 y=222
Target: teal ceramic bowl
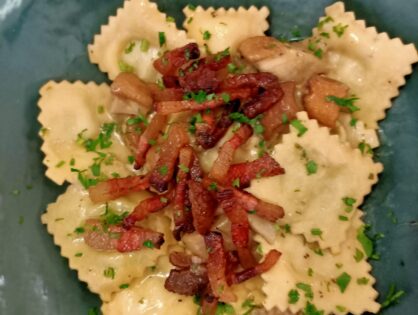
x=46 y=39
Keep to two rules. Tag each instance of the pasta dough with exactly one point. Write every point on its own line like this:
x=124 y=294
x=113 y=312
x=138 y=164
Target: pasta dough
x=370 y=63
x=316 y=201
x=138 y=20
x=69 y=110
x=227 y=28
x=70 y=211
x=299 y=264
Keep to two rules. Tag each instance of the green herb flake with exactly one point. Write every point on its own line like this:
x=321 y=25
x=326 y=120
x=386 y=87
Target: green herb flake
x=148 y=244
x=93 y=311
x=100 y=109
x=191 y=7
x=249 y=305
x=324 y=34
x=353 y=122
x=340 y=308
x=164 y=200
x=115 y=175
x=358 y=256
x=324 y=21
x=285 y=119
x=259 y=249
x=311 y=309
x=391 y=215
x=79 y=254
x=109 y=273
x=307 y=289
x=342 y=218
x=129 y=48
x=287 y=228
x=362 y=281
x=296 y=123
x=343 y=281
x=236 y=183
x=206 y=35
x=161 y=38
x=254 y=123
x=310 y=272
x=347 y=102
x=365 y=148
x=225 y=97
x=224 y=309
x=232 y=68
x=124 y=67
x=111 y=218
x=95 y=169
x=79 y=230
x=60 y=164
x=72 y=162
x=222 y=54
x=252 y=211
x=318 y=251
x=365 y=242
x=293 y=296
x=163 y=170
x=136 y=120
x=170 y=19
x=311 y=167
x=190 y=20
x=131 y=159
x=339 y=29
x=213 y=186
x=392 y=297
x=316 y=232
x=349 y=201
x=144 y=47
x=317 y=51
x=124 y=286
x=184 y=168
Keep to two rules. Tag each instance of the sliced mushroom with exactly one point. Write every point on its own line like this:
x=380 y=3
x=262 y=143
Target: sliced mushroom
x=288 y=62
x=128 y=86
x=316 y=103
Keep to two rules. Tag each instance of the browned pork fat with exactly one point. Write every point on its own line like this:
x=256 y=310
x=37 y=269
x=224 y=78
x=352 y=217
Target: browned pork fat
x=129 y=86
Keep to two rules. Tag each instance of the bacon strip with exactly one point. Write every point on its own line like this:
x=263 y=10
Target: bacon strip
x=145 y=208
x=245 y=172
x=203 y=207
x=169 y=152
x=269 y=261
x=217 y=265
x=117 y=187
x=240 y=227
x=165 y=94
x=182 y=216
x=152 y=132
x=116 y=237
x=226 y=153
x=171 y=107
x=129 y=86
x=263 y=80
x=172 y=60
x=275 y=120
x=262 y=102
x=209 y=305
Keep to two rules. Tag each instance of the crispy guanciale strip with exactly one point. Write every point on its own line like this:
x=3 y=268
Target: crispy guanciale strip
x=163 y=172
x=180 y=260
x=129 y=86
x=240 y=227
x=203 y=207
x=226 y=153
x=187 y=281
x=171 y=61
x=152 y=132
x=244 y=173
x=182 y=216
x=145 y=208
x=316 y=103
x=209 y=305
x=276 y=119
x=172 y=107
x=116 y=237
x=161 y=94
x=261 y=208
x=269 y=261
x=263 y=80
x=262 y=102
x=117 y=187
x=217 y=266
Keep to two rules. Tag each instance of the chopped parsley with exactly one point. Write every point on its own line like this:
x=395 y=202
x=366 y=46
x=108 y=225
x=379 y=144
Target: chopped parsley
x=222 y=54
x=224 y=309
x=226 y=97
x=184 y=168
x=318 y=251
x=287 y=228
x=311 y=309
x=317 y=51
x=60 y=164
x=392 y=297
x=340 y=308
x=339 y=29
x=236 y=183
x=261 y=151
x=293 y=296
x=310 y=272
x=343 y=281
x=326 y=20
x=190 y=20
x=316 y=232
x=254 y=123
x=259 y=249
x=163 y=170
x=93 y=311
x=111 y=218
x=346 y=102
x=324 y=34
x=79 y=254
x=252 y=211
x=248 y=303
x=148 y=244
x=358 y=255
x=349 y=202
x=365 y=148
x=144 y=45
x=307 y=289
x=100 y=109
x=199 y=97
x=342 y=218
x=285 y=119
x=170 y=19
x=136 y=120
x=79 y=230
x=365 y=242
x=213 y=186
x=362 y=281
x=102 y=141
x=124 y=286
x=196 y=119
x=233 y=68
x=353 y=122
x=161 y=38
x=163 y=199
x=296 y=123
x=109 y=273
x=191 y=7
x=124 y=67
x=311 y=167
x=129 y=48
x=206 y=35
x=131 y=159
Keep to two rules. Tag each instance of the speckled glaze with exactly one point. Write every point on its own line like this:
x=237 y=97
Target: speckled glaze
x=46 y=39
